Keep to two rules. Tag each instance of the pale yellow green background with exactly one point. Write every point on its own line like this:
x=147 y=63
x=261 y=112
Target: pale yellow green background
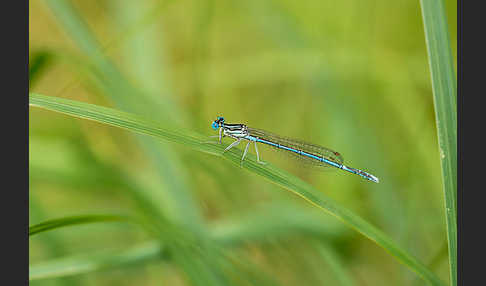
x=349 y=75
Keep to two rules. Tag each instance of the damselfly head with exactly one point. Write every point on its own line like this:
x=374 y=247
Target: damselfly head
x=217 y=123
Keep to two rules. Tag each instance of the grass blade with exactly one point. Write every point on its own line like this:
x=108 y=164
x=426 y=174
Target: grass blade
x=223 y=233
x=93 y=262
x=276 y=222
x=38 y=63
x=75 y=220
x=275 y=175
x=110 y=80
x=444 y=91
x=336 y=265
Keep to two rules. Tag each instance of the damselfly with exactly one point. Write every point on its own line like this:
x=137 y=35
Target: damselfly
x=310 y=153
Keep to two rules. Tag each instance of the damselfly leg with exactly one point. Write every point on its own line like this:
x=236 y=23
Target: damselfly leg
x=244 y=153
x=211 y=142
x=220 y=136
x=232 y=145
x=258 y=155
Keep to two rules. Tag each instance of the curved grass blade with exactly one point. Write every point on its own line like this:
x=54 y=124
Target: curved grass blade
x=224 y=233
x=275 y=175
x=75 y=220
x=444 y=92
x=276 y=222
x=52 y=245
x=335 y=264
x=93 y=262
x=110 y=80
x=38 y=63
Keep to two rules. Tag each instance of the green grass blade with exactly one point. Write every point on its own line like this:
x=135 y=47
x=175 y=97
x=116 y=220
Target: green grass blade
x=75 y=220
x=110 y=80
x=335 y=264
x=230 y=233
x=93 y=262
x=53 y=245
x=38 y=63
x=444 y=91
x=275 y=175
x=276 y=222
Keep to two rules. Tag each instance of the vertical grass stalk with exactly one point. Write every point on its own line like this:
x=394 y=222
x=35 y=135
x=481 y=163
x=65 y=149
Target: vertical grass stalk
x=444 y=92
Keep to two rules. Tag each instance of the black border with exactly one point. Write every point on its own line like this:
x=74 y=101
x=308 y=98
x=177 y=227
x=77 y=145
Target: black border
x=14 y=25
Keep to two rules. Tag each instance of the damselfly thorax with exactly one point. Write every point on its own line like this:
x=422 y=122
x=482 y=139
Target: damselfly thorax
x=236 y=131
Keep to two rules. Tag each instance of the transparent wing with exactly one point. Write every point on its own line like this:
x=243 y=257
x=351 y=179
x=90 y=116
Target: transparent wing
x=313 y=149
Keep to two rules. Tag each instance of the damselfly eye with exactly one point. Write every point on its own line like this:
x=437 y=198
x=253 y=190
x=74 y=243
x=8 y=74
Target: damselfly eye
x=215 y=125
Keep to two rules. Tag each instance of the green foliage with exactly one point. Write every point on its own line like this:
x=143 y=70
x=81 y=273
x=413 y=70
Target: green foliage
x=39 y=61
x=348 y=75
x=93 y=262
x=68 y=221
x=195 y=141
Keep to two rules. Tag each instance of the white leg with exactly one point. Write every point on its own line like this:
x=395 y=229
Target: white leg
x=232 y=145
x=258 y=155
x=244 y=153
x=213 y=136
x=212 y=142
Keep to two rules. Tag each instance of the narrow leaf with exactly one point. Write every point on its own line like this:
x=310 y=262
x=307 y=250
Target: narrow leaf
x=93 y=262
x=444 y=91
x=74 y=220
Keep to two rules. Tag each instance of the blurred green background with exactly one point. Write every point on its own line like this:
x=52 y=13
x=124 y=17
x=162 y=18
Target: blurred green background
x=349 y=75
